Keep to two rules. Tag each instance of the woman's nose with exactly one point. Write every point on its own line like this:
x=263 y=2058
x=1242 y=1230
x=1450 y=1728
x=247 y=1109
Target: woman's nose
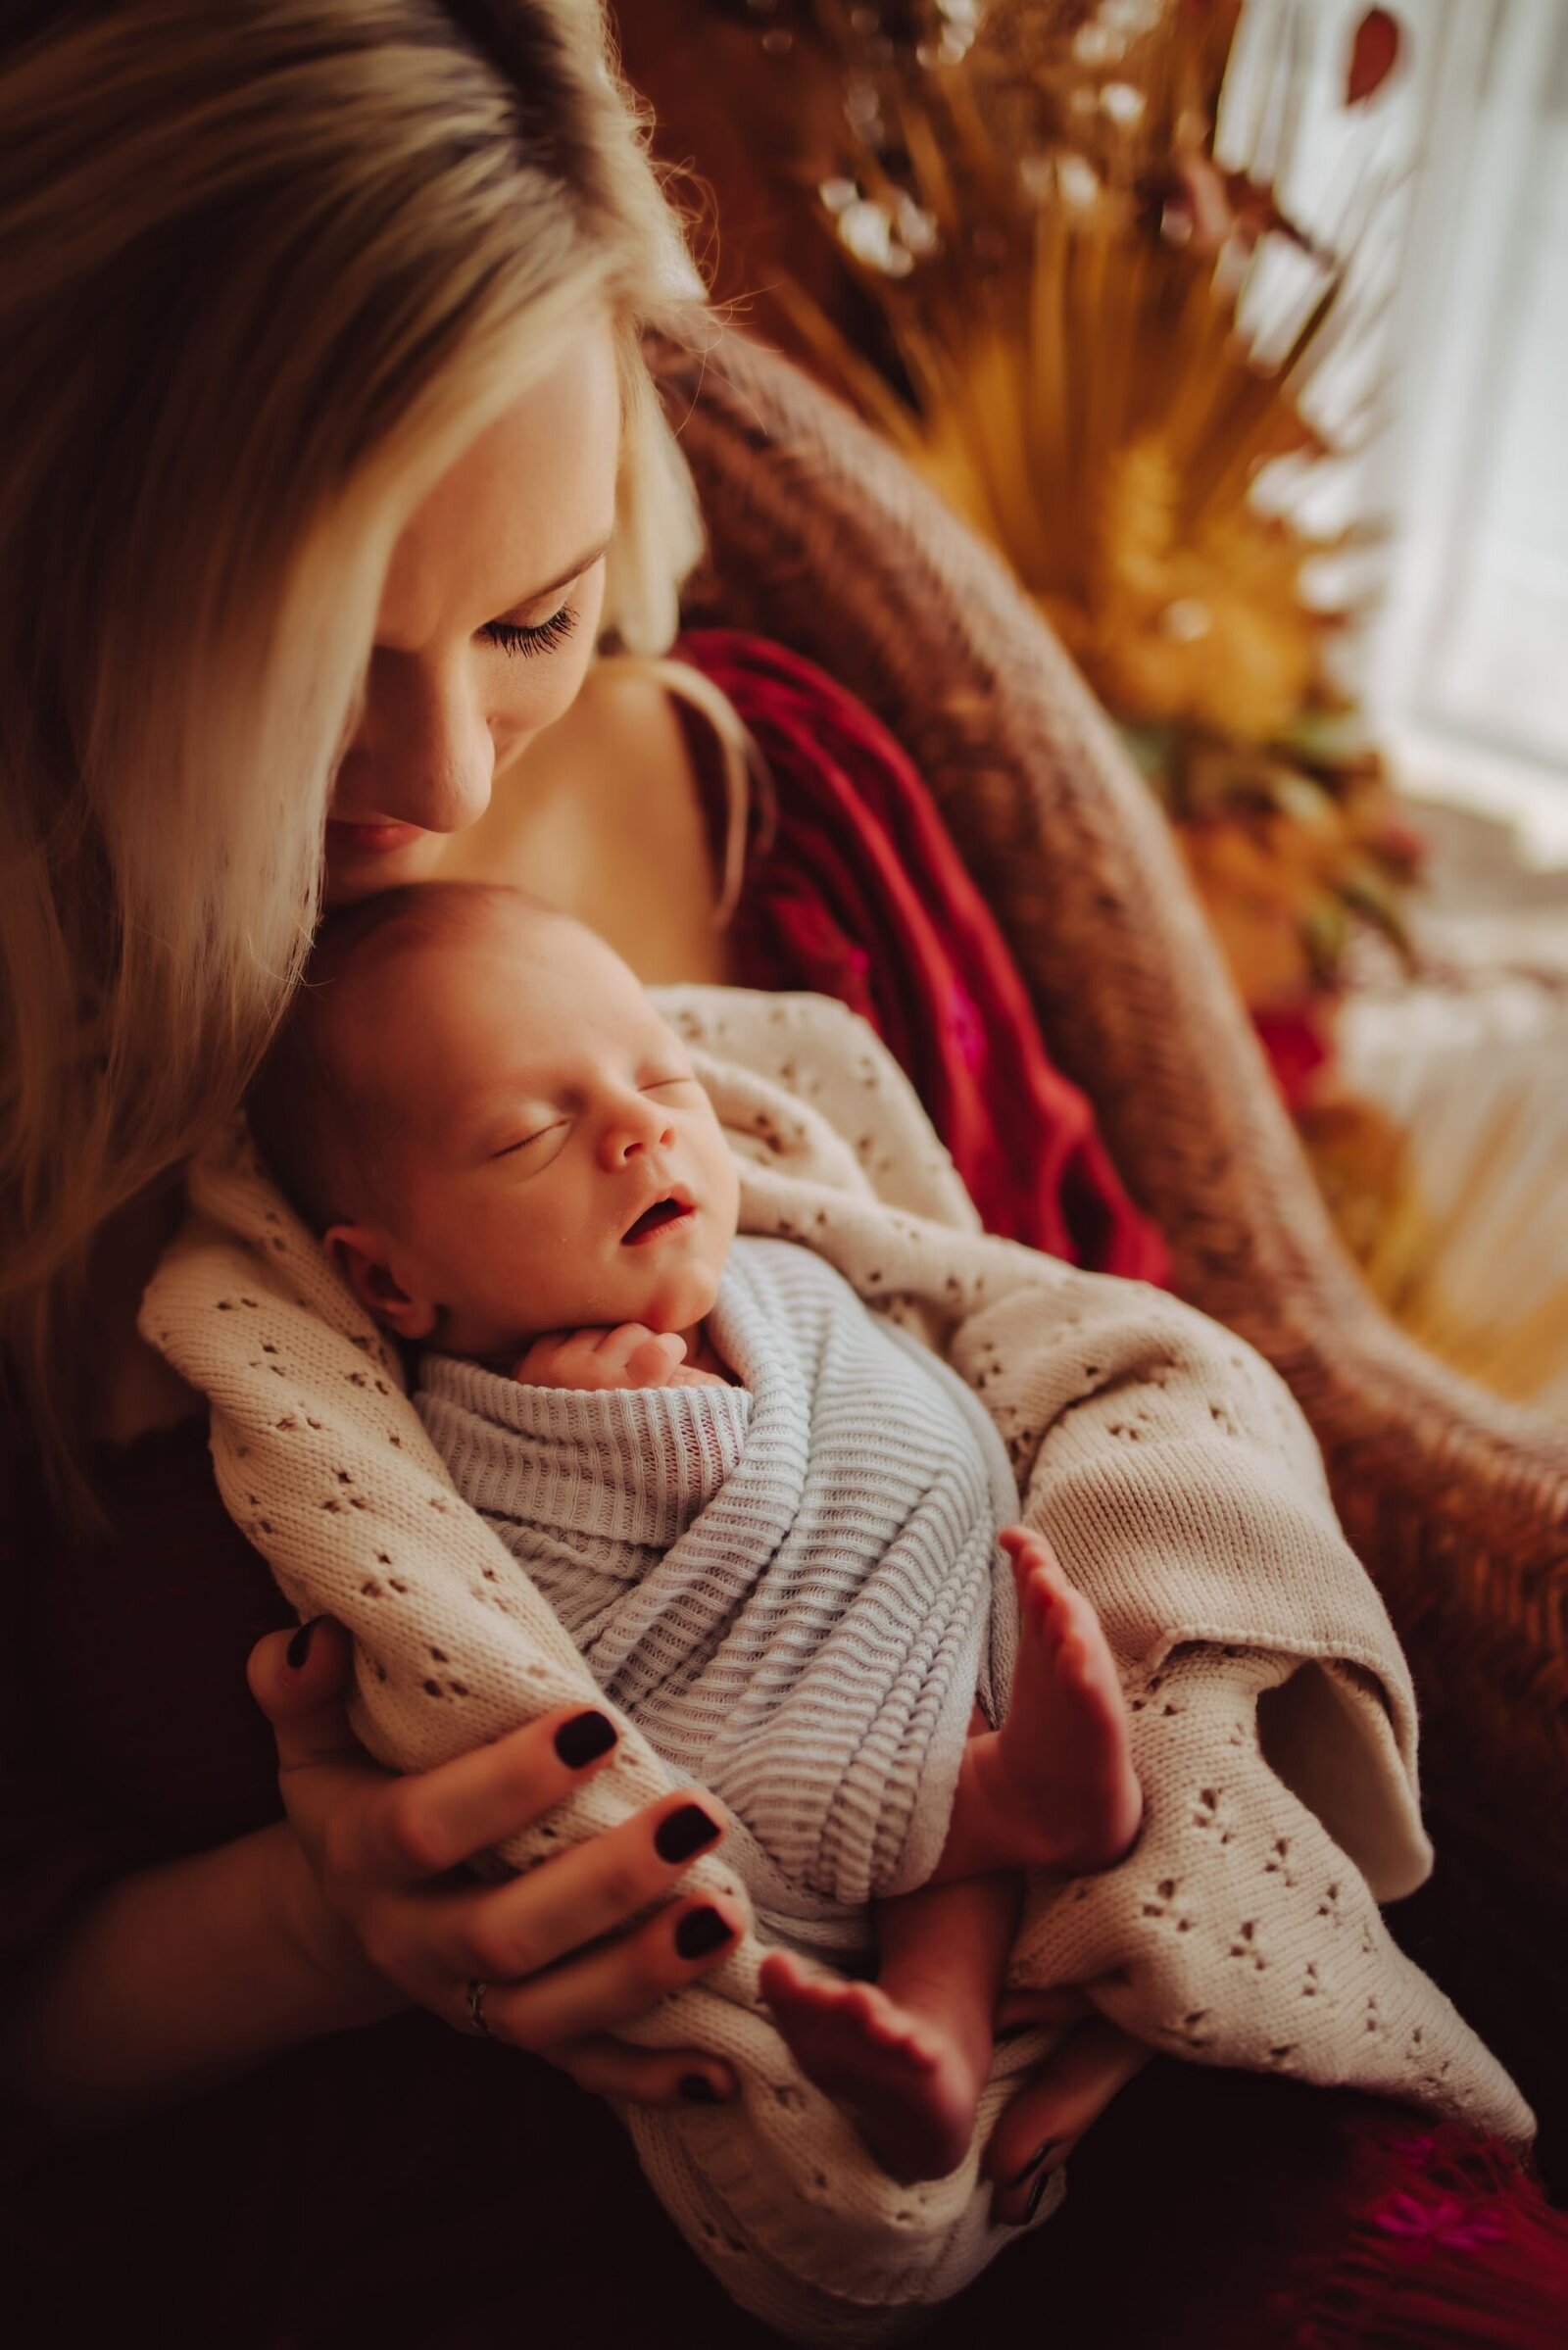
x=423 y=755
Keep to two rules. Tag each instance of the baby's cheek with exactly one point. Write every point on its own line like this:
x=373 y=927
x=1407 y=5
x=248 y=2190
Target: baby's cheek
x=473 y=1250
x=521 y=1258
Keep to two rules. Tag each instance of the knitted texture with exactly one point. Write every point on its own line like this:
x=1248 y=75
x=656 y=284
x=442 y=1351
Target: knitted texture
x=1272 y=1714
x=790 y=1587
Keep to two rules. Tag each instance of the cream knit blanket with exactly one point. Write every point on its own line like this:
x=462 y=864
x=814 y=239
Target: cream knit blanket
x=1273 y=1717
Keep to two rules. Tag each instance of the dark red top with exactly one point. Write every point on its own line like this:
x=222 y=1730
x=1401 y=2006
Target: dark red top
x=407 y=2186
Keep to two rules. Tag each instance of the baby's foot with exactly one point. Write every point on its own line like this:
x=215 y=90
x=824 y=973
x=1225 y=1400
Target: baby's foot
x=1054 y=1787
x=910 y=2086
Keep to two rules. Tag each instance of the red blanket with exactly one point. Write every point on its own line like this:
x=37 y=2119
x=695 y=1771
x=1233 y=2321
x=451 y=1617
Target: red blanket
x=861 y=894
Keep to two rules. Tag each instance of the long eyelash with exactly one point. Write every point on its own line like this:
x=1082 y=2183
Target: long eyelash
x=511 y=638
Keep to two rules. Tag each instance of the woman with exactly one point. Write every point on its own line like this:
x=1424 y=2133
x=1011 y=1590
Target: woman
x=332 y=460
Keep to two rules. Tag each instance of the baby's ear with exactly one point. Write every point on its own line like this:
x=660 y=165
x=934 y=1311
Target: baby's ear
x=359 y=1254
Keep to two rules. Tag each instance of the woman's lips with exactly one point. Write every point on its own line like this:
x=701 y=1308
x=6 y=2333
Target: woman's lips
x=368 y=840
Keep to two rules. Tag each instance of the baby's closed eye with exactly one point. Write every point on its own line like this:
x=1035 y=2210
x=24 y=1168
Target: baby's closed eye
x=525 y=1142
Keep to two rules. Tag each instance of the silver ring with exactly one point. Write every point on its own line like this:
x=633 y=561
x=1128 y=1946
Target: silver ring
x=476 y=1992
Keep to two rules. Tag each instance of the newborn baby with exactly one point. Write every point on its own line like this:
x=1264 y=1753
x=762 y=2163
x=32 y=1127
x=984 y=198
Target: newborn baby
x=770 y=1520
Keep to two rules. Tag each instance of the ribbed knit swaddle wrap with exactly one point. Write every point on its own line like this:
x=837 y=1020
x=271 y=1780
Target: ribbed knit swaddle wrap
x=790 y=1586
x=1273 y=1721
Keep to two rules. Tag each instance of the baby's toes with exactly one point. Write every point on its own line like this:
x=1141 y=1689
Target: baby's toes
x=788 y=1980
x=1083 y=1661
x=1045 y=1600
x=1073 y=1662
x=890 y=2027
x=869 y=2007
x=1031 y=1555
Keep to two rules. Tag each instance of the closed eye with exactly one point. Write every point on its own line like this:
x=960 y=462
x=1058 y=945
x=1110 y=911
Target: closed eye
x=509 y=1150
x=513 y=637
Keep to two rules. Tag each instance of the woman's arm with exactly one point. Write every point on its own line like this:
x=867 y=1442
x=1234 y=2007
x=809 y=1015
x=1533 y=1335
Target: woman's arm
x=357 y=1905
x=175 y=1978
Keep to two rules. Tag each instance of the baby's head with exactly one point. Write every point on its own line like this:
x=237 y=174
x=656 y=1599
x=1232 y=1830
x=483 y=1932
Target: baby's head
x=492 y=1129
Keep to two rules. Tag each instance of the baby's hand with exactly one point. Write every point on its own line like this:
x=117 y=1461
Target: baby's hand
x=630 y=1356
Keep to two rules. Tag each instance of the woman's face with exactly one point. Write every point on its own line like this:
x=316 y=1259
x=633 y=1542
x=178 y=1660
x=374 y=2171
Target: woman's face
x=488 y=620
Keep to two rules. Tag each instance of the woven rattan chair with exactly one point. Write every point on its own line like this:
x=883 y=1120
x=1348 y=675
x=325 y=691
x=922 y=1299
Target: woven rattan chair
x=823 y=539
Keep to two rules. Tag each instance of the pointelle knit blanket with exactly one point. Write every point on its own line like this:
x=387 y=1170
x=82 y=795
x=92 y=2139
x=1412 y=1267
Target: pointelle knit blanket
x=1273 y=1717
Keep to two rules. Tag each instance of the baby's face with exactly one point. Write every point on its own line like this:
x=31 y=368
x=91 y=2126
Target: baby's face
x=555 y=1163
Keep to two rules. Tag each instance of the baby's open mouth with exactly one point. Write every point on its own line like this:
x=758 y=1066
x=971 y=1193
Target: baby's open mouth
x=656 y=1220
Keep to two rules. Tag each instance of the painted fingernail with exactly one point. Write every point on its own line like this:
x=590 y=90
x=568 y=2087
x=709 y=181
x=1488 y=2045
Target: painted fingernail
x=702 y=1930
x=299 y=1647
x=1035 y=2194
x=1044 y=2147
x=583 y=1740
x=684 y=1833
x=698 y=2089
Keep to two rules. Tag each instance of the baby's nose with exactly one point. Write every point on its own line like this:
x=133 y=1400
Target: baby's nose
x=639 y=1125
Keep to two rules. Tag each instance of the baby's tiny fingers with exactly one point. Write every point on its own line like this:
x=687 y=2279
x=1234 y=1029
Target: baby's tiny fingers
x=652 y=1361
x=616 y=1342
x=542 y=1347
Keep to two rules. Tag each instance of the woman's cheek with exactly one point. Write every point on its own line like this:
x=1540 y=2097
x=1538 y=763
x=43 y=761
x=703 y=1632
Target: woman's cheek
x=542 y=689
x=569 y=666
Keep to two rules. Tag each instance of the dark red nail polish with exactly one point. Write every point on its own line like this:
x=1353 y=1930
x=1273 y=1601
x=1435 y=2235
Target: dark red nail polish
x=685 y=1831
x=1043 y=2148
x=299 y=1647
x=698 y=2089
x=583 y=1740
x=702 y=1930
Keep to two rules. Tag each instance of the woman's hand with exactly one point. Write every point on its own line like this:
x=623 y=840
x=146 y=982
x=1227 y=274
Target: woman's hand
x=1060 y=2099
x=384 y=1911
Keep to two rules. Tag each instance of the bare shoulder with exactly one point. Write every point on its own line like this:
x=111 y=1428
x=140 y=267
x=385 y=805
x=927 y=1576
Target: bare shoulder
x=605 y=818
x=626 y=707
x=658 y=885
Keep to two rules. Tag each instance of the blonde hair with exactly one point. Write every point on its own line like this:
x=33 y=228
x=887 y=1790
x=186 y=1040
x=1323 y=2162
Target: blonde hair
x=270 y=267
